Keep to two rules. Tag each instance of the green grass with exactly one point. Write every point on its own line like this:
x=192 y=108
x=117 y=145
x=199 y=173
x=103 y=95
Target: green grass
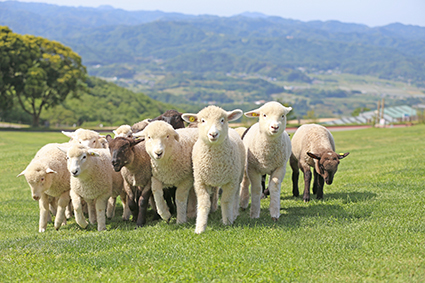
x=370 y=227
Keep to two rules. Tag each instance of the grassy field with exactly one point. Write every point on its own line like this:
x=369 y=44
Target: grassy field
x=370 y=227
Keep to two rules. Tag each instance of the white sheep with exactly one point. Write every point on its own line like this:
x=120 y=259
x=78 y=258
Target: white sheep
x=171 y=161
x=313 y=146
x=123 y=131
x=89 y=138
x=93 y=139
x=91 y=179
x=218 y=161
x=48 y=179
x=268 y=150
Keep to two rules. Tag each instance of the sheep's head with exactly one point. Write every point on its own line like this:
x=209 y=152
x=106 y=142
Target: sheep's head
x=159 y=139
x=39 y=178
x=123 y=131
x=213 y=123
x=85 y=137
x=272 y=117
x=327 y=164
x=121 y=149
x=76 y=157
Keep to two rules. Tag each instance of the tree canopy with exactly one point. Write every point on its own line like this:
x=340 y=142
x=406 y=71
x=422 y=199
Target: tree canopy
x=39 y=72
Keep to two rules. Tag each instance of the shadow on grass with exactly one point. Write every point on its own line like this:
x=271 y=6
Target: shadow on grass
x=297 y=214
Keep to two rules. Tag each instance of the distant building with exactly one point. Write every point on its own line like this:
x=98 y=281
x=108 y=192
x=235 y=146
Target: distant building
x=396 y=114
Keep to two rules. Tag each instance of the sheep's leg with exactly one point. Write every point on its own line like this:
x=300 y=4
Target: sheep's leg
x=143 y=206
x=78 y=210
x=43 y=204
x=133 y=202
x=227 y=202
x=214 y=199
x=319 y=183
x=315 y=181
x=100 y=204
x=204 y=206
x=244 y=193
x=295 y=175
x=158 y=195
x=126 y=209
x=236 y=202
x=255 y=179
x=110 y=209
x=274 y=186
x=265 y=190
x=170 y=199
x=92 y=210
x=191 y=204
x=182 y=195
x=63 y=202
x=68 y=211
x=53 y=205
x=307 y=181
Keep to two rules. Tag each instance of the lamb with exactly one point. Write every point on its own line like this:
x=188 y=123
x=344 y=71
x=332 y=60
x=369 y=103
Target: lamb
x=89 y=138
x=218 y=161
x=91 y=180
x=48 y=179
x=171 y=161
x=313 y=146
x=268 y=150
x=93 y=139
x=130 y=157
x=123 y=131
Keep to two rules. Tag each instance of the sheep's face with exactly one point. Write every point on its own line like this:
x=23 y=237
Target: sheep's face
x=212 y=123
x=272 y=118
x=76 y=158
x=121 y=150
x=327 y=164
x=160 y=137
x=86 y=138
x=39 y=179
x=123 y=131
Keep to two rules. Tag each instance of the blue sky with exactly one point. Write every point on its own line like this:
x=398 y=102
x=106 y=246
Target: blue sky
x=370 y=12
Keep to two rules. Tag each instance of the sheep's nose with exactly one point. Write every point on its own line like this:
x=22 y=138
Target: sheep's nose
x=74 y=172
x=213 y=135
x=35 y=197
x=158 y=153
x=275 y=128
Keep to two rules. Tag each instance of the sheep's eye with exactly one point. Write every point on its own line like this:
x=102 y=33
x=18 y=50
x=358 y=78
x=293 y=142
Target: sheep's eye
x=84 y=156
x=222 y=120
x=67 y=158
x=264 y=115
x=168 y=136
x=42 y=179
x=202 y=120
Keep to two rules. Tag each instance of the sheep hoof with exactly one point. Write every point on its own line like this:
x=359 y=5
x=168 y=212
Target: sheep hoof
x=306 y=200
x=275 y=219
x=168 y=220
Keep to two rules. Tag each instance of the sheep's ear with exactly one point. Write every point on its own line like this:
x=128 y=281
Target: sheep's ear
x=342 y=155
x=234 y=115
x=253 y=114
x=312 y=155
x=108 y=138
x=22 y=173
x=176 y=136
x=49 y=170
x=115 y=132
x=69 y=134
x=190 y=118
x=140 y=135
x=133 y=142
x=92 y=153
x=287 y=110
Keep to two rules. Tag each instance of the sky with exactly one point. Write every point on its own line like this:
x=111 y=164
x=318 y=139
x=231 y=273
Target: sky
x=369 y=12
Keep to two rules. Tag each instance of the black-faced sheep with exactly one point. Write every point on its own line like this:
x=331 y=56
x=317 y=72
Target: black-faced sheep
x=313 y=146
x=218 y=161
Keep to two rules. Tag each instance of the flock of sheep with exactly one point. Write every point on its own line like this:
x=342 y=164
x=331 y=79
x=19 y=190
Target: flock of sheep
x=172 y=167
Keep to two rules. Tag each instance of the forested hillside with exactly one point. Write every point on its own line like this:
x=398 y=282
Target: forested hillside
x=194 y=60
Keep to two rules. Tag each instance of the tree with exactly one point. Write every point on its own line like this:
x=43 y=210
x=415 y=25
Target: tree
x=43 y=74
x=12 y=58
